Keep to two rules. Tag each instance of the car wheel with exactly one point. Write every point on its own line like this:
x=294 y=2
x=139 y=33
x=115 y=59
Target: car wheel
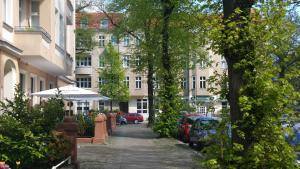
x=191 y=144
x=123 y=122
x=136 y=121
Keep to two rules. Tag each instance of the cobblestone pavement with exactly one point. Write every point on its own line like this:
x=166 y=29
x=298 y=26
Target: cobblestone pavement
x=135 y=146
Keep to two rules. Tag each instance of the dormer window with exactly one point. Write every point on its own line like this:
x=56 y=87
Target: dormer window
x=104 y=24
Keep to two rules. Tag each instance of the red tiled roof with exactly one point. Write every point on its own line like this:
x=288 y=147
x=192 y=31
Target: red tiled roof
x=95 y=18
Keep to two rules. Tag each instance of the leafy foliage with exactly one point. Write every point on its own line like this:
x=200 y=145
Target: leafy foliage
x=26 y=133
x=114 y=76
x=257 y=48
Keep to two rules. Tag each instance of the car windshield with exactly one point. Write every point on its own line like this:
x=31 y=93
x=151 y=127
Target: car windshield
x=206 y=124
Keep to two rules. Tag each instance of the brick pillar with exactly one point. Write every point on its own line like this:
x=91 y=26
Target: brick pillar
x=100 y=130
x=70 y=128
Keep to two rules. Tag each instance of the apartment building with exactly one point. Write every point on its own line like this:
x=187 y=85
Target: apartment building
x=194 y=83
x=37 y=45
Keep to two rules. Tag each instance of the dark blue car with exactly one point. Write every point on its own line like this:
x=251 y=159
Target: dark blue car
x=201 y=131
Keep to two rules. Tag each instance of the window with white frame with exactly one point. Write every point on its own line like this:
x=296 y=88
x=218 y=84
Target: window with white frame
x=202 y=64
x=101 y=61
x=101 y=105
x=101 y=81
x=202 y=109
x=126 y=40
x=193 y=82
x=183 y=83
x=126 y=61
x=85 y=61
x=202 y=82
x=101 y=40
x=114 y=40
x=126 y=81
x=138 y=82
x=104 y=24
x=35 y=13
x=84 y=82
x=142 y=105
x=137 y=61
x=138 y=41
x=7 y=11
x=83 y=107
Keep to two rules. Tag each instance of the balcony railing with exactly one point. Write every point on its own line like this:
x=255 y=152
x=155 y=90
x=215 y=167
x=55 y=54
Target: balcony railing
x=38 y=29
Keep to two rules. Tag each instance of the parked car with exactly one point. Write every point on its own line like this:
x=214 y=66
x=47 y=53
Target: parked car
x=184 y=125
x=202 y=130
x=134 y=117
x=121 y=120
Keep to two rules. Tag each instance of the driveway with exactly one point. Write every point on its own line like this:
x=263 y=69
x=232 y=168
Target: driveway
x=135 y=146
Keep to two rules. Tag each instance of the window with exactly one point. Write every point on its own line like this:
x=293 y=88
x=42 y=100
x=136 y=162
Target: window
x=101 y=61
x=83 y=23
x=84 y=61
x=202 y=64
x=41 y=85
x=126 y=81
x=183 y=83
x=83 y=107
x=223 y=64
x=137 y=41
x=101 y=106
x=35 y=13
x=61 y=31
x=138 y=61
x=194 y=82
x=22 y=82
x=32 y=85
x=104 y=24
x=125 y=61
x=101 y=81
x=202 y=109
x=51 y=85
x=83 y=82
x=101 y=41
x=126 y=40
x=142 y=105
x=202 y=82
x=114 y=40
x=7 y=11
x=138 y=82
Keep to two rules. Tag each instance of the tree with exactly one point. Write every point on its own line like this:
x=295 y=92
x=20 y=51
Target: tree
x=250 y=40
x=113 y=75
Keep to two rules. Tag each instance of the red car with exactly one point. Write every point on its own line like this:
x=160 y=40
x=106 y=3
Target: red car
x=185 y=124
x=134 y=117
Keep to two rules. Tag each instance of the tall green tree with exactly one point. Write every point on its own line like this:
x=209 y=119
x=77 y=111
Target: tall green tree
x=113 y=75
x=259 y=92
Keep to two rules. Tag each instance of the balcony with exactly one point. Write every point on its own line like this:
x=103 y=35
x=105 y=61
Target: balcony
x=34 y=30
x=84 y=70
x=38 y=50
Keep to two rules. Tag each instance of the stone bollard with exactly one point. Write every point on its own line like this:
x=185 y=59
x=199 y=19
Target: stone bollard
x=100 y=131
x=70 y=127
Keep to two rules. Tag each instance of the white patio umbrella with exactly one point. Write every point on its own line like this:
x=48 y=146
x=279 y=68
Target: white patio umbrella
x=71 y=93
x=67 y=92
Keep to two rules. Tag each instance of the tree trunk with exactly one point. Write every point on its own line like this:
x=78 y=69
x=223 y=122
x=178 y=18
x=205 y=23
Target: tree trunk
x=111 y=105
x=150 y=75
x=151 y=93
x=241 y=51
x=167 y=77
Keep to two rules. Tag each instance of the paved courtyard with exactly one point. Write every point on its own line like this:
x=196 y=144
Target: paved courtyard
x=135 y=146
